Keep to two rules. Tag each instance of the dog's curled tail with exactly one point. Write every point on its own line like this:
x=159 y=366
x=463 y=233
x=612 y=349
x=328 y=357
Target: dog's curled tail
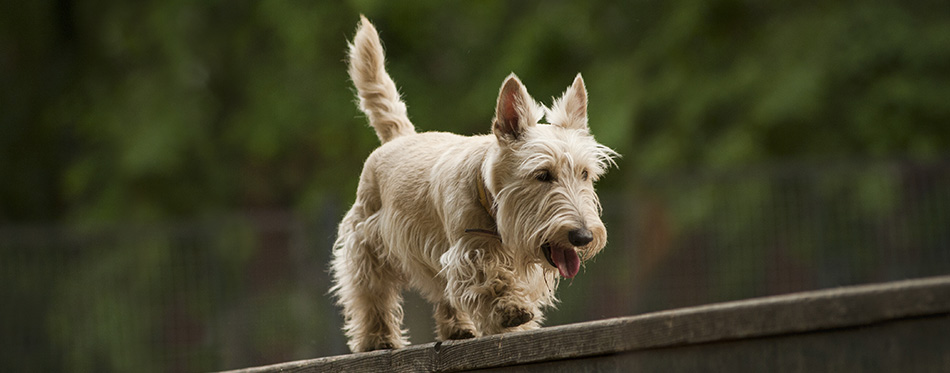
x=379 y=98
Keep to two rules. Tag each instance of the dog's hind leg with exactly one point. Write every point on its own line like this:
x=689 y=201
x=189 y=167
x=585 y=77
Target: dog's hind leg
x=367 y=287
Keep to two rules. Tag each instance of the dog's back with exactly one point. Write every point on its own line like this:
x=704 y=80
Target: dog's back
x=414 y=177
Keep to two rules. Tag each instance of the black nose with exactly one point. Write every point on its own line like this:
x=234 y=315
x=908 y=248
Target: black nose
x=580 y=237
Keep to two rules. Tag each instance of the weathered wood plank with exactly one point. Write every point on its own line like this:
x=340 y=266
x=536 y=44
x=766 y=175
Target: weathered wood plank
x=364 y=362
x=905 y=345
x=815 y=311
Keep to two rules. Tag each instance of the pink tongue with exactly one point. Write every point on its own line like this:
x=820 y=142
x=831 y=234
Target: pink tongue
x=568 y=264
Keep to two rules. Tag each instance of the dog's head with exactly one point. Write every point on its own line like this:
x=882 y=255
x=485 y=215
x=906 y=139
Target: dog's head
x=542 y=176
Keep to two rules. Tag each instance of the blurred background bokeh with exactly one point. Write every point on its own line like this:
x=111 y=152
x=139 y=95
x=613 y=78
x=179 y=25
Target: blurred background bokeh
x=171 y=172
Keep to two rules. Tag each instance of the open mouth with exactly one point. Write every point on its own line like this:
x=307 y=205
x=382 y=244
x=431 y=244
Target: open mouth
x=564 y=258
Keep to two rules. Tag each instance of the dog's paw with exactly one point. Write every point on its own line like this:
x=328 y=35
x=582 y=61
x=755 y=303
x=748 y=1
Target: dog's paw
x=462 y=334
x=381 y=346
x=513 y=316
x=378 y=344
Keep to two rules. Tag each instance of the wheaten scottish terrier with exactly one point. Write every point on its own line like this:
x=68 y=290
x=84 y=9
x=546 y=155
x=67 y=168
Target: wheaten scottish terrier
x=482 y=226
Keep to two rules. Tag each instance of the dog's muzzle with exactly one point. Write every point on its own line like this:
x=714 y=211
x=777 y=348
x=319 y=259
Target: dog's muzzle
x=564 y=257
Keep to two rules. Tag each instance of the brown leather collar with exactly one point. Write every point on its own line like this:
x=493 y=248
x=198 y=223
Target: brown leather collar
x=488 y=203
x=483 y=197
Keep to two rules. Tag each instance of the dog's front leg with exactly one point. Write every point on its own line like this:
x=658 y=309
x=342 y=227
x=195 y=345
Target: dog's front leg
x=482 y=283
x=511 y=308
x=451 y=323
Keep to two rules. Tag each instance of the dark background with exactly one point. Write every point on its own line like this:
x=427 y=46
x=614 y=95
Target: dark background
x=171 y=172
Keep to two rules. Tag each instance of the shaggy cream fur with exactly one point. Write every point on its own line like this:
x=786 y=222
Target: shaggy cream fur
x=417 y=221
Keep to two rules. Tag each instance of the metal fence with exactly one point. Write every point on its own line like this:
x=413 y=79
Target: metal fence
x=250 y=289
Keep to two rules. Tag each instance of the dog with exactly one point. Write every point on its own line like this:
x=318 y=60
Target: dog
x=482 y=226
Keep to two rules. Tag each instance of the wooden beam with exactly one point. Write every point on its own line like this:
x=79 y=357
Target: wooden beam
x=825 y=312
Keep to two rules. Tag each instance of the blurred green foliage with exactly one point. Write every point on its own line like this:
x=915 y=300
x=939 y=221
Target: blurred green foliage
x=152 y=111
x=155 y=110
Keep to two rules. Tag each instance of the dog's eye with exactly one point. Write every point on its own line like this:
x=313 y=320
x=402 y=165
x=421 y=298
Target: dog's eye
x=584 y=175
x=544 y=176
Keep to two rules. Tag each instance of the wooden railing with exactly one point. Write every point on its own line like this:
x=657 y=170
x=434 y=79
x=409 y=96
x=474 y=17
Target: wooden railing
x=899 y=326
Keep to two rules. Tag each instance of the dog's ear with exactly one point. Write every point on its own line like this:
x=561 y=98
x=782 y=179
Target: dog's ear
x=515 y=111
x=570 y=111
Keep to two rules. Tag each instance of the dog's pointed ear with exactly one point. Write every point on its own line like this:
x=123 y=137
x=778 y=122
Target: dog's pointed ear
x=515 y=111
x=570 y=111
